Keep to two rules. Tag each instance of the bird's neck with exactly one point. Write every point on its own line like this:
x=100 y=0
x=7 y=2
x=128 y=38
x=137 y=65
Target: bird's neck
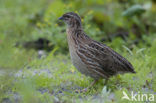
x=75 y=24
x=73 y=31
x=74 y=27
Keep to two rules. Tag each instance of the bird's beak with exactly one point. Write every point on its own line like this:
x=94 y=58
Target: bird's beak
x=60 y=18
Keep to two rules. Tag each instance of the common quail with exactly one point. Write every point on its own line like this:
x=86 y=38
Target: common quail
x=90 y=57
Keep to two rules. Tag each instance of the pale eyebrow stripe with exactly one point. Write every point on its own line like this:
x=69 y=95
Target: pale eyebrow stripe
x=70 y=15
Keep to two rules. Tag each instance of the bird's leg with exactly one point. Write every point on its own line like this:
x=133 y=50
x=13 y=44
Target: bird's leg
x=85 y=89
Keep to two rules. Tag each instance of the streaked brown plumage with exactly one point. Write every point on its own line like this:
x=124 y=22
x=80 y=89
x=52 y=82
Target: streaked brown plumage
x=91 y=57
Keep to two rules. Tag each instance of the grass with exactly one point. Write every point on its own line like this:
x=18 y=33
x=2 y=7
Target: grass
x=54 y=78
x=27 y=78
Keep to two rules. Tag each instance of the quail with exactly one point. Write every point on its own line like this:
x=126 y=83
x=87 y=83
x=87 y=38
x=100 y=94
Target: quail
x=90 y=57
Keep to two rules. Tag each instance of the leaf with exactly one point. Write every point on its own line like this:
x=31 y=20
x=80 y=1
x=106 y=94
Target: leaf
x=140 y=50
x=130 y=52
x=134 y=10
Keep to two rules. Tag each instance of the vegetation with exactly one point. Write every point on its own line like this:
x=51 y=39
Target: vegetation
x=35 y=66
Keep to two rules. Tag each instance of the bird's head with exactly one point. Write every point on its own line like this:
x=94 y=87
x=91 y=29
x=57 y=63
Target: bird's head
x=71 y=19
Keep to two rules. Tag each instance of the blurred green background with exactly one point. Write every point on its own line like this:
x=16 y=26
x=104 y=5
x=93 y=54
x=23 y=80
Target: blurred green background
x=34 y=59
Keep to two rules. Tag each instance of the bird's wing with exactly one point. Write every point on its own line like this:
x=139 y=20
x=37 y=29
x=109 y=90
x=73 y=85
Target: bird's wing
x=122 y=64
x=103 y=59
x=96 y=57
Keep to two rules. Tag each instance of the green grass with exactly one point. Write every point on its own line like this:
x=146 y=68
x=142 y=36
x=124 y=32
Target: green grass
x=55 y=78
x=26 y=78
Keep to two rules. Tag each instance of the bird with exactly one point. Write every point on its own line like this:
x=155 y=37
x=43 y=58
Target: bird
x=90 y=57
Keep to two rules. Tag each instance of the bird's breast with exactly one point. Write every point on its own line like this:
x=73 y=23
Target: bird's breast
x=76 y=61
